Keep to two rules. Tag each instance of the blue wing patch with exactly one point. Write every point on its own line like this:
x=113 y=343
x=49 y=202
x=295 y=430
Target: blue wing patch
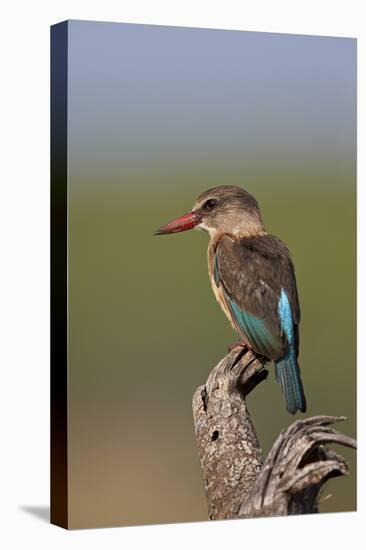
x=259 y=335
x=216 y=271
x=285 y=313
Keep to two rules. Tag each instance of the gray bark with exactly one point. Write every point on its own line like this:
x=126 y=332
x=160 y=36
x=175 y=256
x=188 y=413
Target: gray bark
x=238 y=482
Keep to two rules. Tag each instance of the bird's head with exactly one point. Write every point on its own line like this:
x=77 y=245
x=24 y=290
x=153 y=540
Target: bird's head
x=223 y=209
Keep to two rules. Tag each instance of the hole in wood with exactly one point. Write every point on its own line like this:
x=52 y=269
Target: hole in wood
x=215 y=435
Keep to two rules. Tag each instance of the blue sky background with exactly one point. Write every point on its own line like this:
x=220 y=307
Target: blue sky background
x=149 y=97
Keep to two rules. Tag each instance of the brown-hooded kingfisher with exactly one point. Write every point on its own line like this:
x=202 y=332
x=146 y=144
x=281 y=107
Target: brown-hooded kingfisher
x=253 y=279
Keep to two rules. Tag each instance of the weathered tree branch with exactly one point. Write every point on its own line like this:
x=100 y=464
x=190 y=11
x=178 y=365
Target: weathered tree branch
x=237 y=482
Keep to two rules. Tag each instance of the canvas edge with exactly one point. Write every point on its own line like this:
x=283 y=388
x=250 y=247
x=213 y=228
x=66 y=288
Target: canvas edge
x=58 y=299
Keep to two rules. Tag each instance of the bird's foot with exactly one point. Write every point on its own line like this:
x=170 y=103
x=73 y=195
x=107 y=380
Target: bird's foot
x=239 y=344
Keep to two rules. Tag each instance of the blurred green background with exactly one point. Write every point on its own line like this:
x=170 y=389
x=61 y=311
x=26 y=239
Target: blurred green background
x=156 y=116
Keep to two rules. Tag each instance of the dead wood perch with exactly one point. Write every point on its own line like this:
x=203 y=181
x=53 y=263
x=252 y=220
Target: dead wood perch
x=237 y=481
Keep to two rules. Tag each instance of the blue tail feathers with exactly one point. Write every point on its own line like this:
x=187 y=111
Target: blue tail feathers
x=287 y=373
x=287 y=370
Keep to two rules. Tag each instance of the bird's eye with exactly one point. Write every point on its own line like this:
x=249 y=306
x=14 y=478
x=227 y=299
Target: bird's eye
x=210 y=204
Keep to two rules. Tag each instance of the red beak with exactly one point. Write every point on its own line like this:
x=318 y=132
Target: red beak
x=188 y=221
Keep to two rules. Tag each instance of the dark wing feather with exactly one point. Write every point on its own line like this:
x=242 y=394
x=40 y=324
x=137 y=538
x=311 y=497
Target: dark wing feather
x=252 y=272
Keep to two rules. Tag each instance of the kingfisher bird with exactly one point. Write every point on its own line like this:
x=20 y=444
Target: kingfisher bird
x=253 y=279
